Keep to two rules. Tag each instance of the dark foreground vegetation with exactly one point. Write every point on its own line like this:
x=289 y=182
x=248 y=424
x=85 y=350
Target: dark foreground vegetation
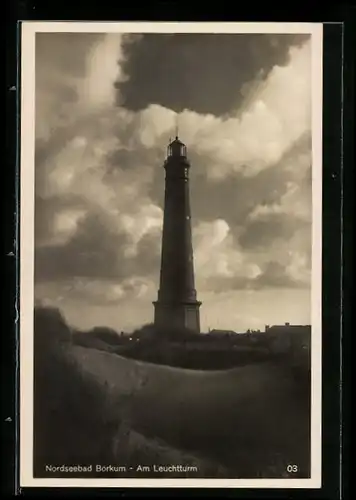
x=248 y=421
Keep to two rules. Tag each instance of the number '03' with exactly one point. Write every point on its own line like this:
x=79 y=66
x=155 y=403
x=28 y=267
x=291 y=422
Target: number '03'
x=292 y=468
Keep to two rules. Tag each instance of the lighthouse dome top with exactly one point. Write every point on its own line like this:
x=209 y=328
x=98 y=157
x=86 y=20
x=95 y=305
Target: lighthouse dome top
x=177 y=148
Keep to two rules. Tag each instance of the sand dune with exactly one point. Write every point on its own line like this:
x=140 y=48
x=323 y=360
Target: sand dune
x=248 y=414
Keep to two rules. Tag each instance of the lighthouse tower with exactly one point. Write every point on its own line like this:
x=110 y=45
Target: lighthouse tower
x=177 y=305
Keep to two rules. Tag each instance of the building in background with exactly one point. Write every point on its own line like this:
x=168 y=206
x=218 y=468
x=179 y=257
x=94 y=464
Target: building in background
x=283 y=338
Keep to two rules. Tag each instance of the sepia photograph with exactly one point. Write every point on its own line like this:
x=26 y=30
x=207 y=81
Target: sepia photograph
x=170 y=323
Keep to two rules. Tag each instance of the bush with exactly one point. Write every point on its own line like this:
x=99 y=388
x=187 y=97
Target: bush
x=107 y=335
x=86 y=339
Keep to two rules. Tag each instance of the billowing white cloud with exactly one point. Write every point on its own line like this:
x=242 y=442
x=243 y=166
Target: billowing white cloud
x=298 y=268
x=217 y=254
x=104 y=69
x=65 y=225
x=148 y=219
x=292 y=203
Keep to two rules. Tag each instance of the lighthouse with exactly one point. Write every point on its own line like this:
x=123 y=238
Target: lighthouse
x=177 y=305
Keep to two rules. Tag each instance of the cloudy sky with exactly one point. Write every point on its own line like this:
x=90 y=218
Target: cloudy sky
x=106 y=105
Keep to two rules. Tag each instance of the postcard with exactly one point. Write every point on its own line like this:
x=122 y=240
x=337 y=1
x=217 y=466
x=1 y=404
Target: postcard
x=170 y=246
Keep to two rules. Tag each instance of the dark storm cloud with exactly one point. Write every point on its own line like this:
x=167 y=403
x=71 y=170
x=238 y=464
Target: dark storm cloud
x=206 y=73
